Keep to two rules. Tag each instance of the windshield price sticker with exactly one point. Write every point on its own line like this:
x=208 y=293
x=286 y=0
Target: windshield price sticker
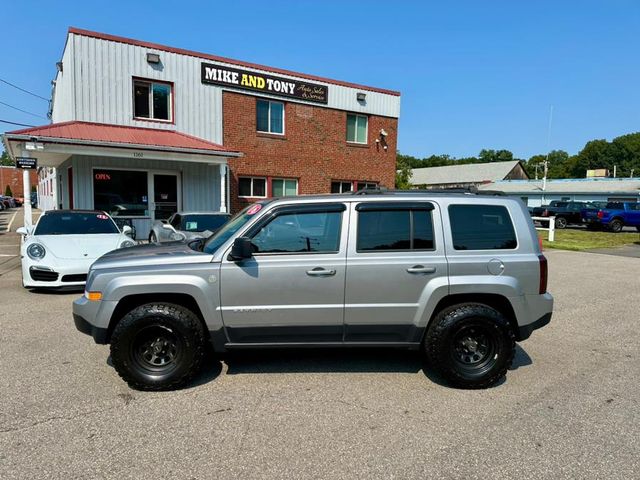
x=255 y=209
x=102 y=217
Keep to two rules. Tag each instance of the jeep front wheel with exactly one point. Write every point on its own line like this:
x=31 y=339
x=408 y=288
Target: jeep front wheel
x=158 y=346
x=470 y=345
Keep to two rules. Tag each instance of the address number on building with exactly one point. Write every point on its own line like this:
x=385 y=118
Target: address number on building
x=138 y=154
x=26 y=163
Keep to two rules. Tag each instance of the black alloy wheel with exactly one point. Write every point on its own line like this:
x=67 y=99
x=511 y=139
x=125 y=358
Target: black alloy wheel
x=158 y=346
x=471 y=345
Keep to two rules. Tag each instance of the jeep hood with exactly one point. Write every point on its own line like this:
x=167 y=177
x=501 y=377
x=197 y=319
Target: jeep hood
x=149 y=255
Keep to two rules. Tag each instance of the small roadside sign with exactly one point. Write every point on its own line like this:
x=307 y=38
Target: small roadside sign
x=26 y=163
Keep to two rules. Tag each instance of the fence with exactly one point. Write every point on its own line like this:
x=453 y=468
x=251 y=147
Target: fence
x=551 y=228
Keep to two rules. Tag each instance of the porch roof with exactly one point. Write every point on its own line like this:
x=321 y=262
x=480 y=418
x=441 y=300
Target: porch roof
x=88 y=133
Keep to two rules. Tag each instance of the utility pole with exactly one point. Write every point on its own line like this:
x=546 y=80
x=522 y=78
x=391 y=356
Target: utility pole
x=546 y=160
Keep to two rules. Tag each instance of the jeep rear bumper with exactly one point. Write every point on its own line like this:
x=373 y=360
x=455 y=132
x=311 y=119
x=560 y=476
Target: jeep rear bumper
x=525 y=331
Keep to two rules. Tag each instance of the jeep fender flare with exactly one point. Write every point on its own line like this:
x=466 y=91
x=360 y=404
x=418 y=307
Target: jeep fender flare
x=203 y=294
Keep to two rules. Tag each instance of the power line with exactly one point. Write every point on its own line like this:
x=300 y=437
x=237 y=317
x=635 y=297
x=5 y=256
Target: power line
x=23 y=90
x=20 y=110
x=16 y=123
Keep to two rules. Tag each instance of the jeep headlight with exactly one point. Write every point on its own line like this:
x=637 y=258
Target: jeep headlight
x=36 y=251
x=127 y=243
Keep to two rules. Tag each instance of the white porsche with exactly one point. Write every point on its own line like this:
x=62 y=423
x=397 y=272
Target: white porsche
x=59 y=250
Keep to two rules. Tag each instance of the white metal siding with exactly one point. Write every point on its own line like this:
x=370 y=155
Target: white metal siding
x=64 y=97
x=200 y=182
x=103 y=72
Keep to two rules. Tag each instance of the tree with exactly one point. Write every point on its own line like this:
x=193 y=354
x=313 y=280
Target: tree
x=8 y=192
x=403 y=172
x=6 y=161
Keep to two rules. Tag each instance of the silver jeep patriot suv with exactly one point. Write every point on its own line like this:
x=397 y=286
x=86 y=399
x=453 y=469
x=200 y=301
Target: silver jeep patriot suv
x=459 y=276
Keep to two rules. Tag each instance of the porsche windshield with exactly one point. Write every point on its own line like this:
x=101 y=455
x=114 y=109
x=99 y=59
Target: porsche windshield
x=75 y=223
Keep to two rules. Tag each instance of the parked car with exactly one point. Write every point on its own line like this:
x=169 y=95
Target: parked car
x=566 y=213
x=187 y=226
x=34 y=199
x=458 y=276
x=8 y=202
x=59 y=250
x=614 y=217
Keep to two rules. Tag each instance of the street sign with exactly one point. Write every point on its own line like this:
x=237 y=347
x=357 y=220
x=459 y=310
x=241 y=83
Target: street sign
x=26 y=163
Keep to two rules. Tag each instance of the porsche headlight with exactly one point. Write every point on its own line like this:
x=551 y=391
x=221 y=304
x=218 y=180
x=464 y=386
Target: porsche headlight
x=127 y=243
x=36 y=251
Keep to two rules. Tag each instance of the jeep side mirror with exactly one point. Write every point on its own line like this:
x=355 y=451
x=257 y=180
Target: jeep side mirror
x=241 y=249
x=22 y=231
x=127 y=230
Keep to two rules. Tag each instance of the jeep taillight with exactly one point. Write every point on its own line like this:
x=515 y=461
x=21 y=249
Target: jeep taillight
x=600 y=214
x=544 y=273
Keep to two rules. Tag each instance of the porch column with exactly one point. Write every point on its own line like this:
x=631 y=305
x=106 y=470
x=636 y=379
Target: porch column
x=223 y=188
x=26 y=188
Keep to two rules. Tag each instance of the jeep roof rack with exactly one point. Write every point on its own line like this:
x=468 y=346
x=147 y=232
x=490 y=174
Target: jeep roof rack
x=468 y=190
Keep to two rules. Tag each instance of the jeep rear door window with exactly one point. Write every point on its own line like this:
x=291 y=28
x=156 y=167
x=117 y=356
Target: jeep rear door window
x=394 y=229
x=304 y=232
x=481 y=227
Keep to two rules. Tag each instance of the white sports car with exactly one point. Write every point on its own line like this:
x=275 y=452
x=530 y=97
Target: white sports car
x=59 y=250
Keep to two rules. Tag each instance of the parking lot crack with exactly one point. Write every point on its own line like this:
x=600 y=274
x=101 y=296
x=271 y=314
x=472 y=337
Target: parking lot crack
x=55 y=418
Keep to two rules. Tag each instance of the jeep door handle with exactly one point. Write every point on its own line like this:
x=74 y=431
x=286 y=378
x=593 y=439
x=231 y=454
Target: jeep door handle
x=421 y=269
x=321 y=272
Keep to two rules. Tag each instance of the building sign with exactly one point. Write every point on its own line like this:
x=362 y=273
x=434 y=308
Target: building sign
x=258 y=82
x=26 y=163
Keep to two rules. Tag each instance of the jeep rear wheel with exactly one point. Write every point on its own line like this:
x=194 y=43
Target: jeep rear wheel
x=158 y=346
x=470 y=345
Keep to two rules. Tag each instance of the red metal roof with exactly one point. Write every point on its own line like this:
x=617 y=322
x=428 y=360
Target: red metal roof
x=83 y=132
x=191 y=53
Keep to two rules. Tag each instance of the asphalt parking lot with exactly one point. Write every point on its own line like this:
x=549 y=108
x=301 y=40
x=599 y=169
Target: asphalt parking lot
x=568 y=409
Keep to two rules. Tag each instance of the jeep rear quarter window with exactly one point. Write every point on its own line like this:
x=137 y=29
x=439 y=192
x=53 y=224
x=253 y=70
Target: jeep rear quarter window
x=481 y=227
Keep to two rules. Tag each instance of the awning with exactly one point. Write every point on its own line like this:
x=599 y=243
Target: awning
x=53 y=144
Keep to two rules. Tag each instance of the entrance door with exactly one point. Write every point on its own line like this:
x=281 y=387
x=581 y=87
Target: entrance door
x=165 y=195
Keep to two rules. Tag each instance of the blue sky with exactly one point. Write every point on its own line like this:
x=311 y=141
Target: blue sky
x=473 y=74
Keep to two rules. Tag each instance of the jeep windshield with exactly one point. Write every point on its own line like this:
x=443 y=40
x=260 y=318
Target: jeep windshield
x=215 y=241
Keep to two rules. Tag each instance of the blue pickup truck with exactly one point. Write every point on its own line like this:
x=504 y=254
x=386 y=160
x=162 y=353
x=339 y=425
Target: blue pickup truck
x=614 y=216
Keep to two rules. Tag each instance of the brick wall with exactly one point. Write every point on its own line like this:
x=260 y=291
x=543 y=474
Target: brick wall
x=313 y=149
x=13 y=177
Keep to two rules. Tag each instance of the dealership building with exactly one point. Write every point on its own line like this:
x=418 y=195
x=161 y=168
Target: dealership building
x=142 y=130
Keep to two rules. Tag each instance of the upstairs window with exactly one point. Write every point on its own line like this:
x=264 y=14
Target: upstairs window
x=356 y=128
x=270 y=117
x=152 y=100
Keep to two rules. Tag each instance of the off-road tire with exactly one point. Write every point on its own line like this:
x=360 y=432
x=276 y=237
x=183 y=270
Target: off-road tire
x=173 y=323
x=153 y=238
x=442 y=345
x=561 y=223
x=616 y=225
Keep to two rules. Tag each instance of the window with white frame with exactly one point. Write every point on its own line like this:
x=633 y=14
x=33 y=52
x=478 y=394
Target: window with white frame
x=342 y=186
x=356 y=128
x=255 y=187
x=152 y=100
x=284 y=187
x=270 y=117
